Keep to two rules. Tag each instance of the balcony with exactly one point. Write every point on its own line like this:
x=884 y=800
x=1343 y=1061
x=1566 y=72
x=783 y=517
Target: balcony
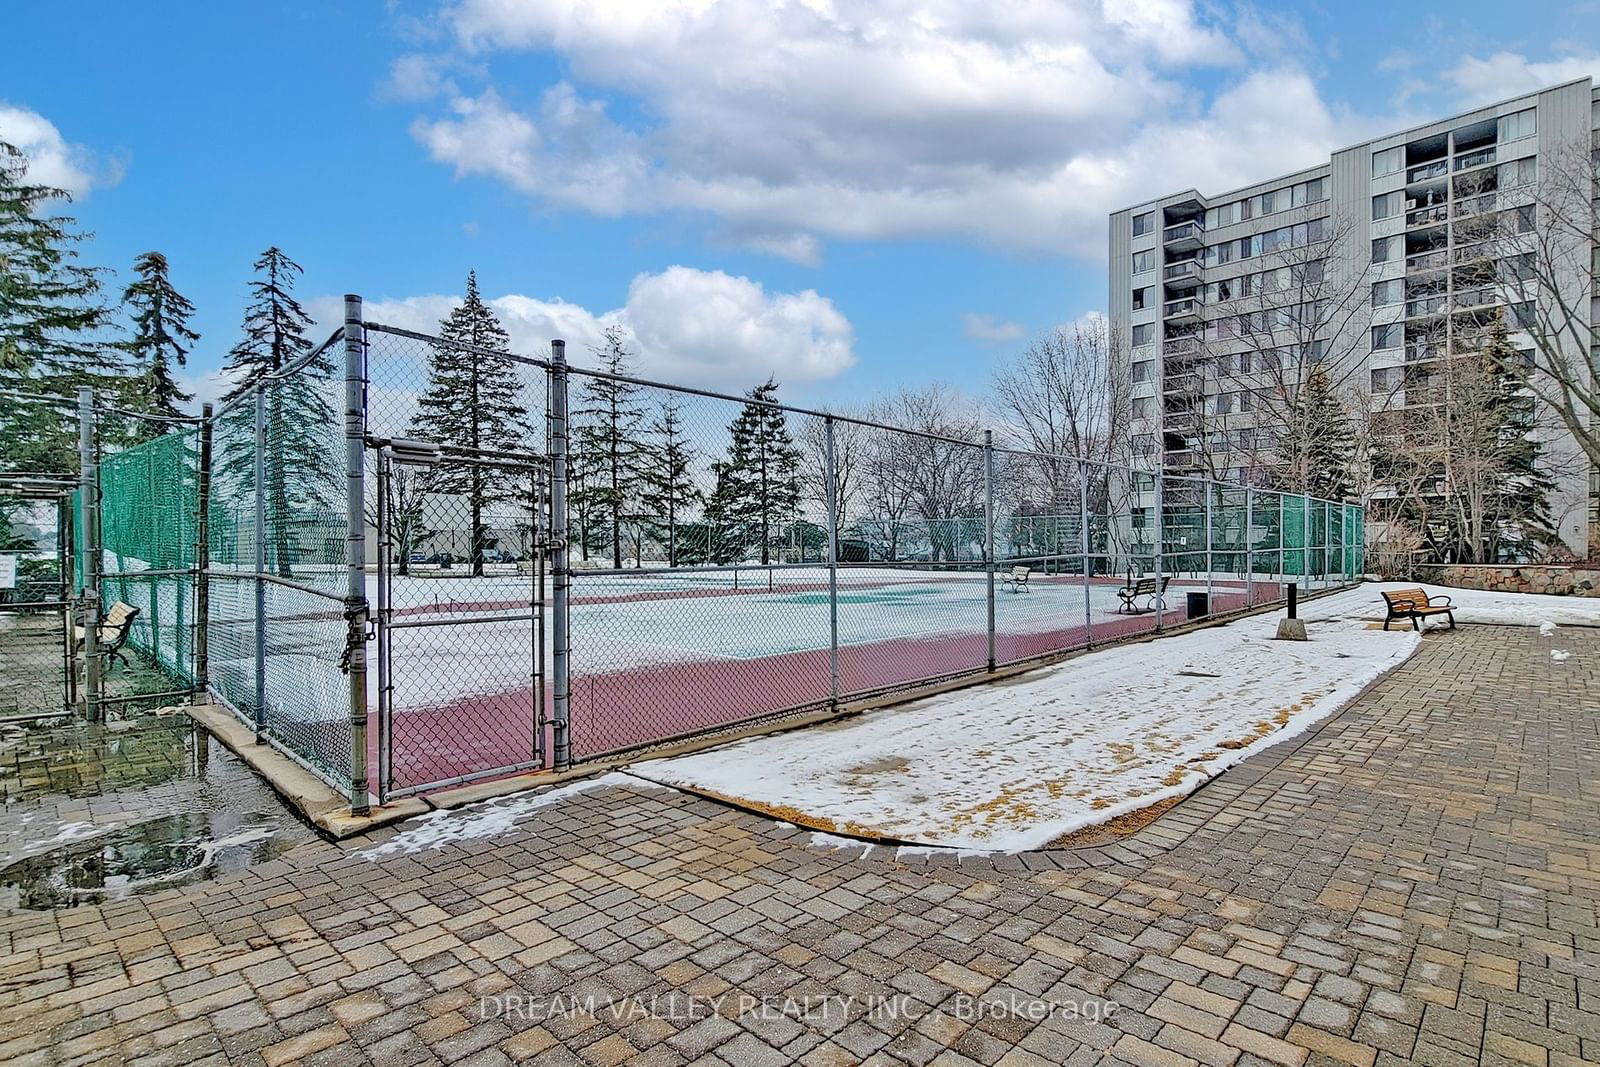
x=1185 y=274
x=1428 y=305
x=1475 y=159
x=1185 y=310
x=1184 y=237
x=1476 y=205
x=1428 y=215
x=1428 y=260
x=1180 y=346
x=1428 y=170
x=1473 y=298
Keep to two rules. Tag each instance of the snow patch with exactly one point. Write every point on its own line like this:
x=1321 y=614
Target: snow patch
x=834 y=841
x=1013 y=765
x=491 y=818
x=1547 y=628
x=1559 y=654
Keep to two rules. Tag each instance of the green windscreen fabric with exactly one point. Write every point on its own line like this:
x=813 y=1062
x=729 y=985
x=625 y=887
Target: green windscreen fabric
x=148 y=497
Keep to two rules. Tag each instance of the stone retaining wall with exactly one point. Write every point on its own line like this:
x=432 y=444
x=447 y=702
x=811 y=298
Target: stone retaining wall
x=1556 y=578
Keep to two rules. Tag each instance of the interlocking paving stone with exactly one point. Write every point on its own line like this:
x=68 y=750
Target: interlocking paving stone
x=1416 y=881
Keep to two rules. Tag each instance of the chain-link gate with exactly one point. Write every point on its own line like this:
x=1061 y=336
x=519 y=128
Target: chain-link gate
x=37 y=673
x=460 y=611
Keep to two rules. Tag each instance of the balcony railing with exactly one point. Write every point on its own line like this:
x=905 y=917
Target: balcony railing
x=1475 y=159
x=1183 y=269
x=1424 y=216
x=1180 y=346
x=1183 y=233
x=1429 y=305
x=1428 y=260
x=1428 y=170
x=1187 y=308
x=1471 y=298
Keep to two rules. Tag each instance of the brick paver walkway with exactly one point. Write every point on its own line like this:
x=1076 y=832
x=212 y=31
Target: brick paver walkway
x=1416 y=882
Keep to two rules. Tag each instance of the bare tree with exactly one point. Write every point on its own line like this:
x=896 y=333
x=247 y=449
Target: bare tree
x=1302 y=310
x=935 y=472
x=1546 y=272
x=850 y=461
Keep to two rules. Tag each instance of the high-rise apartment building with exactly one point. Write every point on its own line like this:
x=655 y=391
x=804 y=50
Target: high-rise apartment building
x=1390 y=255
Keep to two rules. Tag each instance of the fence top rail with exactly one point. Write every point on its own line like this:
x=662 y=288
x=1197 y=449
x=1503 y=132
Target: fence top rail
x=246 y=389
x=651 y=383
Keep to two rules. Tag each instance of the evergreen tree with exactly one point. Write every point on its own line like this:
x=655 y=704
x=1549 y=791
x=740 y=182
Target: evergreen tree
x=303 y=455
x=50 y=319
x=473 y=401
x=161 y=337
x=1318 y=445
x=1520 y=519
x=758 y=485
x=609 y=422
x=669 y=488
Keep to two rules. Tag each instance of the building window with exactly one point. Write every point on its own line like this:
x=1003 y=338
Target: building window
x=1516 y=127
x=1143 y=334
x=1386 y=293
x=1144 y=444
x=1387 y=336
x=1143 y=224
x=1143 y=298
x=1389 y=161
x=1143 y=261
x=1141 y=370
x=1387 y=205
x=1386 y=379
x=1143 y=407
x=1385 y=248
x=1223 y=403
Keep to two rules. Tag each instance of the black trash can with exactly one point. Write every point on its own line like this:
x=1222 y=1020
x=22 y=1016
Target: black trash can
x=1199 y=604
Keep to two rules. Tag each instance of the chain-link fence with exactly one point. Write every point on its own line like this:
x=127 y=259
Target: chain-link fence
x=729 y=559
x=36 y=635
x=563 y=563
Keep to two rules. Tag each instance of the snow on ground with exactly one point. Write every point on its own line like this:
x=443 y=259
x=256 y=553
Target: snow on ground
x=491 y=818
x=1471 y=606
x=1015 y=764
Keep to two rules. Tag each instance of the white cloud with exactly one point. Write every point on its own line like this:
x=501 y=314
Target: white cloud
x=687 y=326
x=1017 y=125
x=1503 y=74
x=52 y=160
x=990 y=330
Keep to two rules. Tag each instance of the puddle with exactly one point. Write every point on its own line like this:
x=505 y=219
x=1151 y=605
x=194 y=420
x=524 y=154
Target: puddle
x=97 y=813
x=146 y=857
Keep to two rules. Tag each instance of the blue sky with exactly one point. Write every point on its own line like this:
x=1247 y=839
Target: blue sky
x=851 y=195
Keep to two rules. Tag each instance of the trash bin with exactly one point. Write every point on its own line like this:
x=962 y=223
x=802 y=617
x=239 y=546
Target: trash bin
x=1199 y=605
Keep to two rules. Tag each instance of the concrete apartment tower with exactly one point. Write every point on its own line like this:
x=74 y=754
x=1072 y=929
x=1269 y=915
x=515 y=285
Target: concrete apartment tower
x=1392 y=253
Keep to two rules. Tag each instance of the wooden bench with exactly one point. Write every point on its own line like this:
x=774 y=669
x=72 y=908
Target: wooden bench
x=114 y=630
x=1142 y=587
x=1017 y=580
x=1416 y=605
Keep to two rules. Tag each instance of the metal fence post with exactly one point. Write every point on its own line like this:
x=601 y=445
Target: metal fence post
x=261 y=560
x=383 y=471
x=1305 y=539
x=355 y=607
x=831 y=488
x=202 y=562
x=560 y=575
x=1283 y=575
x=1249 y=548
x=1083 y=550
x=1161 y=533
x=89 y=501
x=988 y=534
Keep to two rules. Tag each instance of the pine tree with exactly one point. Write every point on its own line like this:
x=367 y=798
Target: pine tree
x=50 y=319
x=473 y=401
x=161 y=337
x=610 y=420
x=1520 y=519
x=758 y=485
x=669 y=488
x=1315 y=451
x=302 y=457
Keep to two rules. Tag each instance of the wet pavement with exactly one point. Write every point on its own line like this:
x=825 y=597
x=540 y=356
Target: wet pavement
x=99 y=812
